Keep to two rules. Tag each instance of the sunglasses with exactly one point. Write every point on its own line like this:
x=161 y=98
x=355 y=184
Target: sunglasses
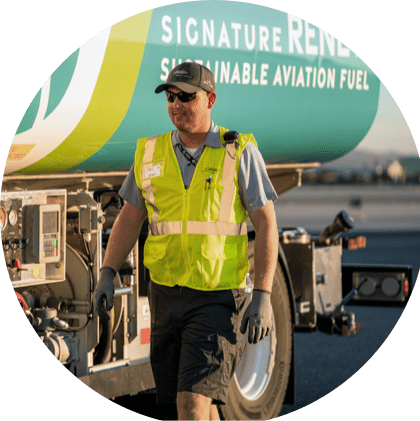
x=182 y=96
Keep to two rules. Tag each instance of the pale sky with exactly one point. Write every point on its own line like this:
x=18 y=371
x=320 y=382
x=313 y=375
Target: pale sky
x=389 y=131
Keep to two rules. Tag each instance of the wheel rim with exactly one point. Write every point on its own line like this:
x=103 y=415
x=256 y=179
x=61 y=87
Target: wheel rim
x=254 y=370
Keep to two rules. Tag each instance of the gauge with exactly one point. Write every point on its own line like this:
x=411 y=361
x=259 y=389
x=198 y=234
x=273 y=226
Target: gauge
x=3 y=219
x=13 y=217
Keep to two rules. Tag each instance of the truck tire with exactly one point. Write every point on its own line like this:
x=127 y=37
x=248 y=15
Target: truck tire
x=258 y=387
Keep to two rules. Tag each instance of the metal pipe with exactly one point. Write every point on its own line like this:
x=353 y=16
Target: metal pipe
x=82 y=318
x=123 y=291
x=79 y=303
x=108 y=366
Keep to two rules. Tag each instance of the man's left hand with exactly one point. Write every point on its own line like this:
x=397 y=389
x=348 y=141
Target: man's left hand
x=259 y=317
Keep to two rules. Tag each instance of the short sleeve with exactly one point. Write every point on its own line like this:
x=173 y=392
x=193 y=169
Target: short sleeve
x=255 y=188
x=131 y=193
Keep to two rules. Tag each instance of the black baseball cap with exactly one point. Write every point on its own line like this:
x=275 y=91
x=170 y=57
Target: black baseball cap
x=190 y=78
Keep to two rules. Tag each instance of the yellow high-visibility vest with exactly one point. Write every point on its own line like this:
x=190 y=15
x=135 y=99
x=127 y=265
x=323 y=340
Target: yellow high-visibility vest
x=197 y=236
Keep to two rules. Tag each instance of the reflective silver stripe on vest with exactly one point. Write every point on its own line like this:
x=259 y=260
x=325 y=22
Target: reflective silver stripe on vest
x=216 y=228
x=165 y=228
x=149 y=149
x=228 y=175
x=198 y=228
x=146 y=185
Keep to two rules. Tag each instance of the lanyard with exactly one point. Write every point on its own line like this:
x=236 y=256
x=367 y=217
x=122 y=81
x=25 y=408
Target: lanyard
x=187 y=155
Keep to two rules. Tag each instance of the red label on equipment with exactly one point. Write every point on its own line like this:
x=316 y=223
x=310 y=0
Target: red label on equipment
x=145 y=336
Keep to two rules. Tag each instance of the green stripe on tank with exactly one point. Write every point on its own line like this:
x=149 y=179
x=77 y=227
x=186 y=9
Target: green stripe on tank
x=30 y=114
x=110 y=99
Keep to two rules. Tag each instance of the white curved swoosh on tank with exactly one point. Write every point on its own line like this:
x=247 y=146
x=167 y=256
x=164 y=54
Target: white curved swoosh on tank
x=50 y=132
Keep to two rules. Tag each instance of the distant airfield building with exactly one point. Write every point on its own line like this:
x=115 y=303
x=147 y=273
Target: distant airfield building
x=401 y=170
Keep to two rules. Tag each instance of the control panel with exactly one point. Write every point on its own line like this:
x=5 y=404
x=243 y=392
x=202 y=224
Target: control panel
x=33 y=237
x=42 y=225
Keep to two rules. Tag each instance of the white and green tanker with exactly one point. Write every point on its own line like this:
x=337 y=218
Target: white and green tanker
x=303 y=94
x=306 y=98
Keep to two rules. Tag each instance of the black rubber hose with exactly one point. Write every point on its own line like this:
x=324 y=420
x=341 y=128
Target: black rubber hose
x=102 y=352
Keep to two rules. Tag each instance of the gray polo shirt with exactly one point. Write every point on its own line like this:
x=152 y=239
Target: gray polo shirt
x=255 y=188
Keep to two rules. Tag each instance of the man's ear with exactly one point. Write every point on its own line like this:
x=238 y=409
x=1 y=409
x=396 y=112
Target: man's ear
x=212 y=99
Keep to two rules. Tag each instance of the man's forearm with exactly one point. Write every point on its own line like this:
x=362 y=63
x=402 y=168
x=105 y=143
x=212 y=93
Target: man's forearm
x=266 y=246
x=124 y=235
x=265 y=258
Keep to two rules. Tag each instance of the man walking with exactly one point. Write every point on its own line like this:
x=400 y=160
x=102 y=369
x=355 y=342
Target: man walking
x=197 y=185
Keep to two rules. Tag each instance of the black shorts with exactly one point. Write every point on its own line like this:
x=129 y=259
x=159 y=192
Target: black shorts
x=196 y=343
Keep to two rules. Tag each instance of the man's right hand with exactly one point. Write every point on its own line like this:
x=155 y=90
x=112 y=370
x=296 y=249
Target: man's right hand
x=104 y=292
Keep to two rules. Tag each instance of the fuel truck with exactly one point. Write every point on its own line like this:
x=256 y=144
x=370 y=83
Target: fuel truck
x=306 y=98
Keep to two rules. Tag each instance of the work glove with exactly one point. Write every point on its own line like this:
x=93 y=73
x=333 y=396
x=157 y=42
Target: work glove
x=104 y=291
x=258 y=316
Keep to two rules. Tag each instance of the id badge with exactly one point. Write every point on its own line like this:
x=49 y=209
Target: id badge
x=152 y=169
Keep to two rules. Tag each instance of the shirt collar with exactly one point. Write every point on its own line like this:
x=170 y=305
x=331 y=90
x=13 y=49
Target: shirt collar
x=212 y=139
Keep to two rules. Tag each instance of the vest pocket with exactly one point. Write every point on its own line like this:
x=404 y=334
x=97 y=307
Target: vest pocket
x=212 y=251
x=154 y=258
x=216 y=258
